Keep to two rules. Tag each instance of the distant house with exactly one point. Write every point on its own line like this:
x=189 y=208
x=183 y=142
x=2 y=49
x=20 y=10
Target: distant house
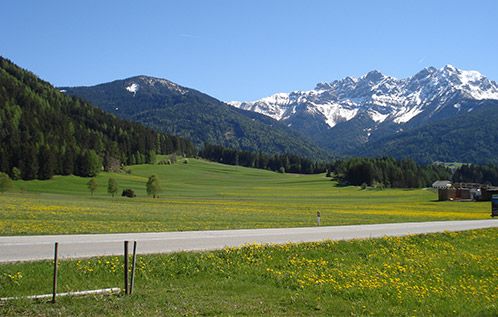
x=463 y=191
x=445 y=190
x=442 y=184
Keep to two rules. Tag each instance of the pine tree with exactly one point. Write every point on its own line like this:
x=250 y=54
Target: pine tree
x=29 y=162
x=68 y=162
x=89 y=164
x=4 y=161
x=47 y=163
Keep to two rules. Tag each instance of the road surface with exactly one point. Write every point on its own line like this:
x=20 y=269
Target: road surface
x=29 y=248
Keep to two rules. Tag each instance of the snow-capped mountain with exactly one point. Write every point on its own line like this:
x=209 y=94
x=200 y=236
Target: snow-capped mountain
x=375 y=105
x=381 y=97
x=436 y=115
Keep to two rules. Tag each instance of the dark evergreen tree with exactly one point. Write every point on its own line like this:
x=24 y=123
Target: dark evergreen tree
x=68 y=162
x=47 y=163
x=29 y=162
x=89 y=164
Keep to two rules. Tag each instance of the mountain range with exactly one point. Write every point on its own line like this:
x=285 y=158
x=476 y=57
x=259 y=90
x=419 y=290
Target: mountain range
x=171 y=108
x=372 y=115
x=352 y=116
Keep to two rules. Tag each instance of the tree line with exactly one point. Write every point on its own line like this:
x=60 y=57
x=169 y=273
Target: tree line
x=387 y=172
x=471 y=173
x=288 y=163
x=44 y=132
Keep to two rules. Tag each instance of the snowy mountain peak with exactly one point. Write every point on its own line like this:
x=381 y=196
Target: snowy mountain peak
x=134 y=83
x=373 y=76
x=382 y=98
x=449 y=68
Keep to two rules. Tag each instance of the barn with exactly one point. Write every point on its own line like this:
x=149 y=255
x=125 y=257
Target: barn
x=445 y=190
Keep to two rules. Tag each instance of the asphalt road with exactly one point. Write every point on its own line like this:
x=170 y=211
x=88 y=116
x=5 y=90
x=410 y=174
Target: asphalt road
x=29 y=248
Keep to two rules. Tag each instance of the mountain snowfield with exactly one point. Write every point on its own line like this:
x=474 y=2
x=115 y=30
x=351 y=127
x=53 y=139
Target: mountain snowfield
x=382 y=98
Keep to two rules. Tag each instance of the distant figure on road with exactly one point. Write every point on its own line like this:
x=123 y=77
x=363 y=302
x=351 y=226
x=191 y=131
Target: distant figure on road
x=318 y=218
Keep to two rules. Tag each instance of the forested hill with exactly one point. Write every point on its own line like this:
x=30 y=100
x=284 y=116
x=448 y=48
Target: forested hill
x=171 y=108
x=44 y=132
x=471 y=136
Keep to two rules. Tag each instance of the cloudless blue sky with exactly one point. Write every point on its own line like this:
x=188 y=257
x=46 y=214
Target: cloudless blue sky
x=245 y=50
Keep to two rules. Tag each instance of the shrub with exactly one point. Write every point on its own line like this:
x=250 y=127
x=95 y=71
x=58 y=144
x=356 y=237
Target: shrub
x=128 y=193
x=5 y=182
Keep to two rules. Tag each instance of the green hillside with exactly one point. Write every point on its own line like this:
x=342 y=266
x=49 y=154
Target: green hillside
x=467 y=137
x=171 y=108
x=202 y=195
x=44 y=132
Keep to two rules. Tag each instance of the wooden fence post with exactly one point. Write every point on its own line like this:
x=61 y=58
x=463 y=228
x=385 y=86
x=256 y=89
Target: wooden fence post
x=126 y=284
x=133 y=265
x=56 y=256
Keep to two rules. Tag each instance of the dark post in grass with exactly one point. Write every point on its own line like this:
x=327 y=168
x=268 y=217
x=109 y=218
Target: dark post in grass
x=56 y=253
x=318 y=218
x=133 y=264
x=126 y=267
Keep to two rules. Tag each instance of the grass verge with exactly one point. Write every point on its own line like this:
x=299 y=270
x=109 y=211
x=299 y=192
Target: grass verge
x=443 y=274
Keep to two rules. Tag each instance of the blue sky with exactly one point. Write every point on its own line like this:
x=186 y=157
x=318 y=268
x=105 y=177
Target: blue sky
x=245 y=50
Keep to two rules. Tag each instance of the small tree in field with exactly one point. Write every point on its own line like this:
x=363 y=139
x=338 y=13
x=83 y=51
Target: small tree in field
x=172 y=158
x=153 y=186
x=5 y=183
x=16 y=173
x=112 y=186
x=92 y=185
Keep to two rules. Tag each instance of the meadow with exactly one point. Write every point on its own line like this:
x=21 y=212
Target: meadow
x=445 y=274
x=203 y=195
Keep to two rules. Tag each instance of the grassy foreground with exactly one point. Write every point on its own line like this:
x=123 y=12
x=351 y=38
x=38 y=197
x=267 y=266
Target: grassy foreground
x=203 y=195
x=448 y=274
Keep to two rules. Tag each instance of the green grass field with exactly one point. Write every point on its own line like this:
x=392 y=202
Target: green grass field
x=203 y=195
x=447 y=274
x=440 y=274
